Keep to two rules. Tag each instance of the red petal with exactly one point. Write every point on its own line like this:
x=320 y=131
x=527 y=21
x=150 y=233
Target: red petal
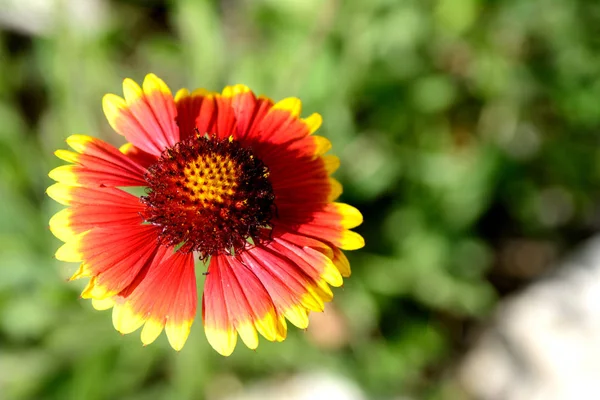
x=195 y=110
x=315 y=261
x=249 y=112
x=96 y=163
x=165 y=297
x=219 y=328
x=293 y=290
x=139 y=156
x=91 y=208
x=146 y=117
x=115 y=256
x=328 y=222
x=244 y=306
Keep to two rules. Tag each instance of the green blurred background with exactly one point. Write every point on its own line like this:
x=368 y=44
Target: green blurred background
x=468 y=132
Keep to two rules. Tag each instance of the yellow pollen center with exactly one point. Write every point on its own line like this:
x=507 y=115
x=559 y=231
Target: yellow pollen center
x=211 y=179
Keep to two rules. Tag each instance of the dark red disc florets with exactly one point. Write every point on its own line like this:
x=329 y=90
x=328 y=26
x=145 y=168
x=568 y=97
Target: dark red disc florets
x=208 y=195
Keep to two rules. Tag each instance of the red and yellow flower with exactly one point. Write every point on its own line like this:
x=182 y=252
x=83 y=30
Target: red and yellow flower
x=236 y=180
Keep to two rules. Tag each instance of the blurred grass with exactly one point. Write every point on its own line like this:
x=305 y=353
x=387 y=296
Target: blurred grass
x=468 y=132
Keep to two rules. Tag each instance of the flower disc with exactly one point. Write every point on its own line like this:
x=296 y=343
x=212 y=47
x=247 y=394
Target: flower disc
x=209 y=196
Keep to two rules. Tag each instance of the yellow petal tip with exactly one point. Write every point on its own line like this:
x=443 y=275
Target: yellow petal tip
x=60 y=225
x=297 y=315
x=248 y=335
x=69 y=251
x=67 y=156
x=125 y=319
x=336 y=189
x=131 y=91
x=230 y=91
x=113 y=106
x=181 y=93
x=151 y=331
x=60 y=193
x=332 y=163
x=292 y=105
x=351 y=217
x=153 y=83
x=103 y=304
x=322 y=145
x=351 y=241
x=64 y=174
x=223 y=341
x=313 y=122
x=177 y=333
x=79 y=142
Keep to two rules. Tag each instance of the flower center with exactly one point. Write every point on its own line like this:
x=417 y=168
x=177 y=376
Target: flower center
x=210 y=196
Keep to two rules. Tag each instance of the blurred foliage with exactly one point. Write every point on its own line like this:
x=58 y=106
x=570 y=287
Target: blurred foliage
x=468 y=132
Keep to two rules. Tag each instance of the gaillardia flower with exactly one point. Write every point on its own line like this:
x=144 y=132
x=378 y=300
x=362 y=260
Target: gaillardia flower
x=233 y=179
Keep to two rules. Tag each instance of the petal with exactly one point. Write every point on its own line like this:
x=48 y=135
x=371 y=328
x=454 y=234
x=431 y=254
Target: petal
x=219 y=329
x=245 y=307
x=329 y=223
x=282 y=123
x=112 y=256
x=96 y=163
x=293 y=291
x=257 y=122
x=81 y=195
x=249 y=110
x=195 y=111
x=339 y=215
x=226 y=123
x=165 y=297
x=299 y=172
x=314 y=263
x=267 y=127
x=139 y=156
x=228 y=114
x=90 y=208
x=341 y=262
x=302 y=180
x=146 y=116
x=331 y=163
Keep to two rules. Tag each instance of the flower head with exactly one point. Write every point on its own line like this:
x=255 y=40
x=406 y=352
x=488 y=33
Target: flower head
x=233 y=179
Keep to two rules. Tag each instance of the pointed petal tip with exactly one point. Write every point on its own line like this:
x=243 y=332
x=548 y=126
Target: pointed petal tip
x=177 y=333
x=297 y=315
x=269 y=326
x=79 y=142
x=352 y=241
x=314 y=122
x=113 y=102
x=331 y=163
x=113 y=105
x=293 y=105
x=60 y=225
x=351 y=216
x=64 y=174
x=230 y=91
x=332 y=275
x=151 y=331
x=125 y=320
x=322 y=145
x=131 y=91
x=181 y=93
x=69 y=251
x=153 y=83
x=336 y=189
x=248 y=335
x=223 y=341
x=60 y=193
